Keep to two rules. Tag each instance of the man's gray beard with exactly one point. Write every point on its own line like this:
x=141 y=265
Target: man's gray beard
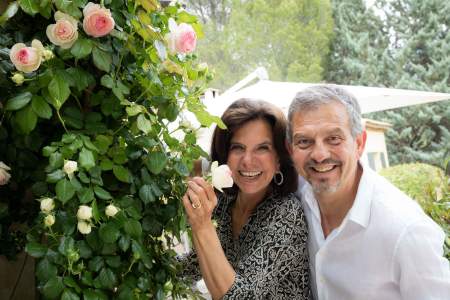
x=324 y=188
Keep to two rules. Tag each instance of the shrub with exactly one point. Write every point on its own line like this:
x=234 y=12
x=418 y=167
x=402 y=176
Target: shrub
x=430 y=187
x=89 y=98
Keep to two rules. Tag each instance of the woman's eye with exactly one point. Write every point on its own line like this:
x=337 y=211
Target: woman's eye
x=264 y=148
x=236 y=148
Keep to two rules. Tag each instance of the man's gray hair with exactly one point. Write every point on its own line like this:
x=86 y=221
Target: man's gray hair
x=315 y=96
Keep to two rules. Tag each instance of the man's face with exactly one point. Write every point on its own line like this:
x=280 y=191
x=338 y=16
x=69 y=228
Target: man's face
x=323 y=149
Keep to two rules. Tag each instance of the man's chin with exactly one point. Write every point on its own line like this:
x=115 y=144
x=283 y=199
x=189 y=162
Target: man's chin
x=322 y=188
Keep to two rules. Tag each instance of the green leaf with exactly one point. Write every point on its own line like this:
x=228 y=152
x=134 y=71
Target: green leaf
x=64 y=190
x=146 y=194
x=85 y=250
x=107 y=278
x=10 y=11
x=156 y=161
x=36 y=249
x=133 y=228
x=45 y=270
x=101 y=193
x=56 y=160
x=81 y=78
x=134 y=109
x=92 y=294
x=184 y=17
x=95 y=212
x=55 y=176
x=122 y=173
x=107 y=81
x=181 y=169
x=144 y=124
x=69 y=295
x=86 y=159
x=109 y=232
x=124 y=242
x=106 y=164
x=59 y=91
x=81 y=48
x=41 y=107
x=102 y=59
x=31 y=7
x=86 y=195
x=102 y=142
x=53 y=288
x=66 y=245
x=26 y=119
x=18 y=101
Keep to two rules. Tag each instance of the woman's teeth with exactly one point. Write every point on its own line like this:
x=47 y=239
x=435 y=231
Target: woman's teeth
x=249 y=174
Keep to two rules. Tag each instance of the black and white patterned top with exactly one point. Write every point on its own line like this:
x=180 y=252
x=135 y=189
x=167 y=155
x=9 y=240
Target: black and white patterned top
x=270 y=256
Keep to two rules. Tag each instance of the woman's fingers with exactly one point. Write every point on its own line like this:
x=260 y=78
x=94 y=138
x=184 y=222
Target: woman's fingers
x=207 y=188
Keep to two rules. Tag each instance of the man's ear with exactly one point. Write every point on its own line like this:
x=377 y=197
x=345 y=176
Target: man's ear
x=361 y=142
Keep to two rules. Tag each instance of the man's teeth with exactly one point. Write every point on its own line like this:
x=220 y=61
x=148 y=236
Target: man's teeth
x=250 y=174
x=323 y=168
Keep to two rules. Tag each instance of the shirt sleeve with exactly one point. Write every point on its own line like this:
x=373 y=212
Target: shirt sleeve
x=419 y=264
x=281 y=257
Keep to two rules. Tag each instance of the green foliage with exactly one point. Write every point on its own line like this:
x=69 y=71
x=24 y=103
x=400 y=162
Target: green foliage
x=105 y=104
x=404 y=44
x=289 y=38
x=430 y=187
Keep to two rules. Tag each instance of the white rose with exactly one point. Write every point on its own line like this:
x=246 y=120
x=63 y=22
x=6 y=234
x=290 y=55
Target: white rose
x=4 y=175
x=70 y=167
x=84 y=212
x=221 y=176
x=49 y=220
x=111 y=210
x=47 y=205
x=84 y=227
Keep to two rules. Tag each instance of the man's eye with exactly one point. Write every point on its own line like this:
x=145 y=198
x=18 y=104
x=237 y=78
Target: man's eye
x=303 y=143
x=334 y=140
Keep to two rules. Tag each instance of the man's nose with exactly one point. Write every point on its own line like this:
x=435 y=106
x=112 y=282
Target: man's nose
x=319 y=152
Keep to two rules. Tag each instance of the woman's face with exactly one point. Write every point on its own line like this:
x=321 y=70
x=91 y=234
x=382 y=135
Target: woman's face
x=252 y=157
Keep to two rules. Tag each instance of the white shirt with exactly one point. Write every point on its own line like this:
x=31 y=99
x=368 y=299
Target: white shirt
x=385 y=248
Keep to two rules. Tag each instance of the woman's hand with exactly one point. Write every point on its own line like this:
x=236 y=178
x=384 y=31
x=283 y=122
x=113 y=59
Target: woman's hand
x=199 y=203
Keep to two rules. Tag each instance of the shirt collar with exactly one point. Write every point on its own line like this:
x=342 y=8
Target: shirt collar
x=360 y=211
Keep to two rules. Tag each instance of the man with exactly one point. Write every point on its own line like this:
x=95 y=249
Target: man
x=367 y=240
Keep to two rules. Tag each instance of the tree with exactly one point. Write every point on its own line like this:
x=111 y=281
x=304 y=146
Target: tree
x=405 y=44
x=290 y=38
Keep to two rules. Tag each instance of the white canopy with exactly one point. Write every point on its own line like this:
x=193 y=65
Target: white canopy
x=371 y=99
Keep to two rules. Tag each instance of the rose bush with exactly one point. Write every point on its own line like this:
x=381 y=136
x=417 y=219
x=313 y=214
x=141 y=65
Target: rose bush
x=88 y=92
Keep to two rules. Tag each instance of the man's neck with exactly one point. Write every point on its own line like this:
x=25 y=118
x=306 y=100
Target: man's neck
x=333 y=208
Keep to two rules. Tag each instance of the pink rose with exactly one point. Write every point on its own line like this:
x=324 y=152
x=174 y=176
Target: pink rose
x=181 y=38
x=97 y=21
x=65 y=32
x=26 y=59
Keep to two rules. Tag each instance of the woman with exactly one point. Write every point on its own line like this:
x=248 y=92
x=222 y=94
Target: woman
x=259 y=248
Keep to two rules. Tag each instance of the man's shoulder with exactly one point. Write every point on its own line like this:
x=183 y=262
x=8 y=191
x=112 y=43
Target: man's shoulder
x=390 y=207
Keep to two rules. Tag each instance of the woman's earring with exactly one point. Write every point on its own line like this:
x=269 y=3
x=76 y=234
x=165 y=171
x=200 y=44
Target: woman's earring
x=278 y=178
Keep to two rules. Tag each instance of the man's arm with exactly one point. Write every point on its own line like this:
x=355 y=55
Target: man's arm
x=419 y=264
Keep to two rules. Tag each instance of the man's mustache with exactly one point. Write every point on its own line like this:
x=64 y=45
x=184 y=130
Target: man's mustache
x=328 y=161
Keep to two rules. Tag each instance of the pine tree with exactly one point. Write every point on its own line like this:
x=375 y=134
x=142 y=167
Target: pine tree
x=406 y=44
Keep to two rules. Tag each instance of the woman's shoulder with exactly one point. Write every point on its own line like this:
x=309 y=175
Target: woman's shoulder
x=286 y=205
